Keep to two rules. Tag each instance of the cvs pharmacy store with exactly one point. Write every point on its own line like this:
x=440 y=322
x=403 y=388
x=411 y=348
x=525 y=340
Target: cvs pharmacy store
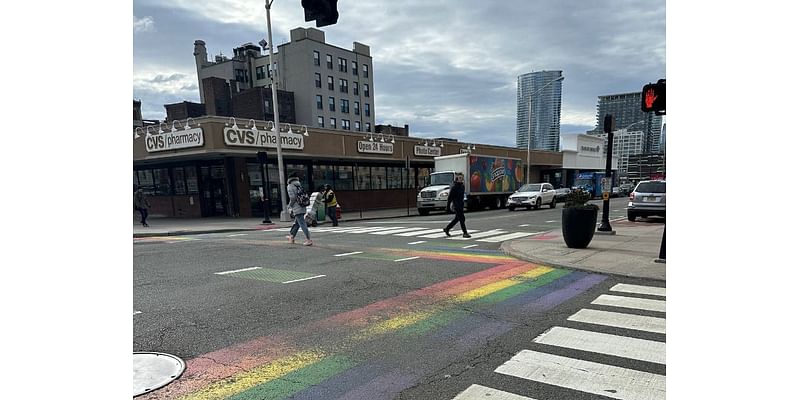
x=209 y=166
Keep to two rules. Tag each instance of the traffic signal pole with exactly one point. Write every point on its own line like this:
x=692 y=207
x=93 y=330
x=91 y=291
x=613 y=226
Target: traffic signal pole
x=608 y=126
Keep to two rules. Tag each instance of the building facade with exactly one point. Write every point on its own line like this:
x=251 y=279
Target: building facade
x=627 y=111
x=539 y=110
x=209 y=166
x=583 y=153
x=626 y=144
x=332 y=87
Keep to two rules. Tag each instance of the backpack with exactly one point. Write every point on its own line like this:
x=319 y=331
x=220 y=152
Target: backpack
x=302 y=197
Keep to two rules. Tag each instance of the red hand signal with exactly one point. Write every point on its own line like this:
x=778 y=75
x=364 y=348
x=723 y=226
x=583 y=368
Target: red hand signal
x=650 y=98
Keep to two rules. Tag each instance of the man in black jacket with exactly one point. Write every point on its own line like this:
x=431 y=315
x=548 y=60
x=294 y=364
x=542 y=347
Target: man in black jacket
x=456 y=197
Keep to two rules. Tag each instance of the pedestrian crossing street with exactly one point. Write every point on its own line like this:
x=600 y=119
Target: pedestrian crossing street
x=488 y=236
x=583 y=375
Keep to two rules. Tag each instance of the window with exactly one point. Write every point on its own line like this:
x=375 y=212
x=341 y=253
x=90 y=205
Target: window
x=355 y=108
x=354 y=67
x=162 y=182
x=146 y=181
x=321 y=121
x=422 y=176
x=333 y=123
x=366 y=90
x=322 y=175
x=180 y=180
x=343 y=85
x=342 y=65
x=330 y=83
x=191 y=180
x=329 y=61
x=319 y=102
x=260 y=72
x=301 y=171
x=346 y=124
x=365 y=70
x=273 y=68
x=378 y=177
x=362 y=178
x=408 y=178
x=367 y=127
x=358 y=126
x=331 y=104
x=241 y=75
x=316 y=58
x=355 y=88
x=344 y=177
x=394 y=177
x=345 y=105
x=366 y=109
x=318 y=80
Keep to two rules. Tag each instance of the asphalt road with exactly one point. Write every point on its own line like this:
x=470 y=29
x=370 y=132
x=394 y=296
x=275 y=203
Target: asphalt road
x=385 y=309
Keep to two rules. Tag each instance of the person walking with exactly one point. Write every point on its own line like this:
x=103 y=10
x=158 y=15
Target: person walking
x=329 y=197
x=141 y=203
x=456 y=197
x=297 y=210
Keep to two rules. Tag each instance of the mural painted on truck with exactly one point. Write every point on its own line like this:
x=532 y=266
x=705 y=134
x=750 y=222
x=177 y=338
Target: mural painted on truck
x=494 y=174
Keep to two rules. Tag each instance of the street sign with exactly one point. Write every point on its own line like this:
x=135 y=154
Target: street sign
x=606 y=185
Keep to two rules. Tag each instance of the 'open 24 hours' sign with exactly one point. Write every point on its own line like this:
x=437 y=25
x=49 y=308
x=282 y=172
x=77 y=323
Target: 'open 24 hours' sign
x=365 y=146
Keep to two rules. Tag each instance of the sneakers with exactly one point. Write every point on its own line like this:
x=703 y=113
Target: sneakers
x=466 y=235
x=446 y=232
x=308 y=242
x=290 y=238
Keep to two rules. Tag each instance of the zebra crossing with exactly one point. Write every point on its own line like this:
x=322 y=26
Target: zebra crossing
x=487 y=236
x=539 y=364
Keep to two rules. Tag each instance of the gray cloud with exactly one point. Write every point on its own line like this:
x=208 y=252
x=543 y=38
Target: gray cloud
x=445 y=68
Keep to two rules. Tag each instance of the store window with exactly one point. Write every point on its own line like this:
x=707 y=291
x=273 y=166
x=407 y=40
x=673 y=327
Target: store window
x=362 y=178
x=256 y=187
x=394 y=177
x=146 y=181
x=408 y=177
x=191 y=180
x=378 y=177
x=323 y=175
x=298 y=170
x=162 y=183
x=180 y=180
x=422 y=176
x=344 y=177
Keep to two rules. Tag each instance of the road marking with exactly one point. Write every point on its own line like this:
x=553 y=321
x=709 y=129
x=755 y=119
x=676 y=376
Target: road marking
x=620 y=320
x=419 y=232
x=304 y=279
x=347 y=254
x=638 y=289
x=397 y=230
x=547 y=222
x=478 y=392
x=470 y=246
x=481 y=234
x=454 y=233
x=585 y=376
x=137 y=312
x=524 y=225
x=603 y=343
x=406 y=259
x=514 y=235
x=371 y=229
x=418 y=242
x=631 y=302
x=238 y=234
x=238 y=270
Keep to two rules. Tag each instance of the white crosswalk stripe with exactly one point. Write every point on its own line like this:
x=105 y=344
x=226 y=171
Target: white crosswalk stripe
x=398 y=230
x=489 y=236
x=509 y=236
x=579 y=369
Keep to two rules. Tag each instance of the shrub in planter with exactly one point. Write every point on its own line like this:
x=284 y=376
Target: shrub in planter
x=578 y=219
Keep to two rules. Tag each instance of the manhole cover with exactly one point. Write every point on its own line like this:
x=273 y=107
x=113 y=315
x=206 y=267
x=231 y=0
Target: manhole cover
x=154 y=370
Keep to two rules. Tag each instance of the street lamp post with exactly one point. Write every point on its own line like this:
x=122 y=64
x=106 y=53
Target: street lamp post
x=530 y=111
x=276 y=123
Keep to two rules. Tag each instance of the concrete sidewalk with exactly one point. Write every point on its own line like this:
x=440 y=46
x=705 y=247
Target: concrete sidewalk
x=631 y=252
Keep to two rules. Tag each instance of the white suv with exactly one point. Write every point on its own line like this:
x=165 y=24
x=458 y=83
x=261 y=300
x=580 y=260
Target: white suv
x=532 y=195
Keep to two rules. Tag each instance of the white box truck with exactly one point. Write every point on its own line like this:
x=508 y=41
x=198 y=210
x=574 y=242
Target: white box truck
x=488 y=181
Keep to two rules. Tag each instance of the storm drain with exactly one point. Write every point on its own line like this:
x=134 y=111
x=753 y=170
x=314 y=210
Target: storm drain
x=270 y=275
x=154 y=370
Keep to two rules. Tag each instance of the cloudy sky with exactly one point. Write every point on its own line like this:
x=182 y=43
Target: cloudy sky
x=446 y=68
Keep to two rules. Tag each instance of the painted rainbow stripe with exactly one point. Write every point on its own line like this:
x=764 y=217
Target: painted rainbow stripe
x=304 y=362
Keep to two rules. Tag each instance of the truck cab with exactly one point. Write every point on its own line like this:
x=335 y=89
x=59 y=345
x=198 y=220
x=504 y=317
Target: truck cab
x=434 y=196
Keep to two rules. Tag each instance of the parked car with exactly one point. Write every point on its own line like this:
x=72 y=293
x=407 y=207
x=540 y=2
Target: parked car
x=561 y=194
x=648 y=198
x=532 y=195
x=615 y=192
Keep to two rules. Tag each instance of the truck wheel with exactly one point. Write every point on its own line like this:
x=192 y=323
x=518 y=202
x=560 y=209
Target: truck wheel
x=423 y=211
x=538 y=204
x=553 y=203
x=498 y=203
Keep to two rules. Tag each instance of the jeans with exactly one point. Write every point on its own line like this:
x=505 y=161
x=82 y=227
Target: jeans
x=458 y=218
x=143 y=212
x=332 y=213
x=299 y=222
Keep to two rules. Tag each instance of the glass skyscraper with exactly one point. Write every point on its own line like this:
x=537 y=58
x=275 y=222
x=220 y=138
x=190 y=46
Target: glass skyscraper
x=540 y=120
x=627 y=111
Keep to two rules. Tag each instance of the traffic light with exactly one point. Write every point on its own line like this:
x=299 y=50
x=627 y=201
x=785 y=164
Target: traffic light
x=654 y=97
x=324 y=11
